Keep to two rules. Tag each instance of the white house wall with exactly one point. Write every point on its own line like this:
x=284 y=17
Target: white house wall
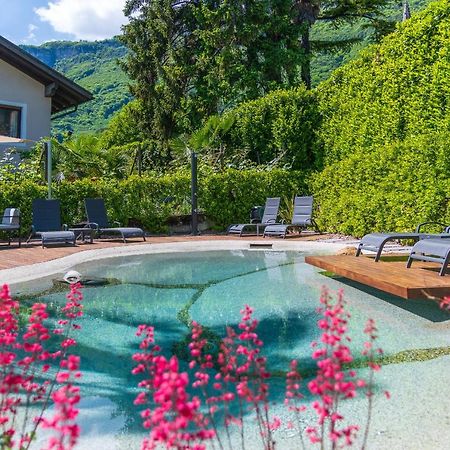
x=17 y=88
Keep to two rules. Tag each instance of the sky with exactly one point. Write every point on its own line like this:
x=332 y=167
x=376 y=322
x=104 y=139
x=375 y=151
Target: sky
x=38 y=21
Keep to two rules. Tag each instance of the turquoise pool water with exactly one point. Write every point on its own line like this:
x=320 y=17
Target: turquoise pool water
x=168 y=290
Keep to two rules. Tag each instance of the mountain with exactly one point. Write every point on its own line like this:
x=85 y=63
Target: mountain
x=94 y=66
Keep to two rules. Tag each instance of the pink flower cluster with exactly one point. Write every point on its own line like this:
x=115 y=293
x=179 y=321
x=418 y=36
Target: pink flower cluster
x=175 y=420
x=241 y=375
x=20 y=376
x=445 y=304
x=235 y=381
x=332 y=383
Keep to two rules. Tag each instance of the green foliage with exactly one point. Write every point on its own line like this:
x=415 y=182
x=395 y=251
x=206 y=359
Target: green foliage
x=94 y=66
x=385 y=131
x=189 y=61
x=275 y=130
x=84 y=156
x=227 y=197
x=148 y=201
x=398 y=89
x=123 y=128
x=392 y=187
x=323 y=62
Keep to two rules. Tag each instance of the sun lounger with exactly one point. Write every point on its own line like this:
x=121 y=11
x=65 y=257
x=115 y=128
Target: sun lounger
x=375 y=242
x=98 y=219
x=269 y=217
x=47 y=223
x=11 y=223
x=301 y=218
x=433 y=250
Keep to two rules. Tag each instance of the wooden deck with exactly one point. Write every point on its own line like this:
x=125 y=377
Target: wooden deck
x=420 y=281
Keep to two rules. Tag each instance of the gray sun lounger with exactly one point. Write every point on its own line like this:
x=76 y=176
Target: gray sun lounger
x=375 y=242
x=46 y=223
x=269 y=217
x=98 y=219
x=11 y=223
x=432 y=250
x=301 y=218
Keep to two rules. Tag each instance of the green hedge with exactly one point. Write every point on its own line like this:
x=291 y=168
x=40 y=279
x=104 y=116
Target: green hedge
x=148 y=201
x=392 y=91
x=393 y=187
x=386 y=129
x=279 y=126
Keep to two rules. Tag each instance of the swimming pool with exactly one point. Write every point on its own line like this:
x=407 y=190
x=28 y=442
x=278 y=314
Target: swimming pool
x=169 y=290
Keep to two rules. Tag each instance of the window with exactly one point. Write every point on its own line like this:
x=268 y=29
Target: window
x=10 y=121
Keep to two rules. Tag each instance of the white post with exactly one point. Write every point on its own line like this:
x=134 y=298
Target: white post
x=49 y=169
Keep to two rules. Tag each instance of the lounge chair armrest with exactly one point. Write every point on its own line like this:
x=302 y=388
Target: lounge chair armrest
x=117 y=223
x=447 y=230
x=430 y=223
x=91 y=225
x=271 y=221
x=65 y=227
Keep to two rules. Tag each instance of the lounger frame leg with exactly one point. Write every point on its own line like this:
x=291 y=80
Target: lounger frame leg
x=313 y=222
x=410 y=261
x=378 y=255
x=444 y=265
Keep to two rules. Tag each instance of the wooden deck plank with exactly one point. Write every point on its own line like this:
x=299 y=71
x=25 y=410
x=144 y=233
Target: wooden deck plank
x=420 y=281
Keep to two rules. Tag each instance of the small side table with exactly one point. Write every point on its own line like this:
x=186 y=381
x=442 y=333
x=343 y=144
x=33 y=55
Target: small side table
x=85 y=234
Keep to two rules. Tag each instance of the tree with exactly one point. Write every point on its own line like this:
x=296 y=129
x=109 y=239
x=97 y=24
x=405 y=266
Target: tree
x=193 y=59
x=307 y=12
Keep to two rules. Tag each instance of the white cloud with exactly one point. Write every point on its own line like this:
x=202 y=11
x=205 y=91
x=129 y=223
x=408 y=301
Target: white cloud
x=85 y=19
x=31 y=29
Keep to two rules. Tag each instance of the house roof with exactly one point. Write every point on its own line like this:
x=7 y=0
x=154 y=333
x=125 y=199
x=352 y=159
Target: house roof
x=63 y=92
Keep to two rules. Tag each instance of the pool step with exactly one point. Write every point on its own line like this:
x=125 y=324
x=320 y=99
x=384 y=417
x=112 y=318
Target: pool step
x=260 y=245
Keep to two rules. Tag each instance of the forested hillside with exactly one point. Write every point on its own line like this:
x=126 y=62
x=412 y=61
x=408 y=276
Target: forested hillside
x=94 y=66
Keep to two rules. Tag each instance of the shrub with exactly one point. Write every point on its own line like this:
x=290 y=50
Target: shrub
x=394 y=187
x=149 y=200
x=393 y=91
x=278 y=129
x=385 y=131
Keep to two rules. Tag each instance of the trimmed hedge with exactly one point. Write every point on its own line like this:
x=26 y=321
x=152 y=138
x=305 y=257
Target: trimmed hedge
x=225 y=198
x=386 y=129
x=392 y=187
x=392 y=91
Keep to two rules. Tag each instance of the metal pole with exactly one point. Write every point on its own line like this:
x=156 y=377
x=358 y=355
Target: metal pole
x=48 y=144
x=194 y=211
